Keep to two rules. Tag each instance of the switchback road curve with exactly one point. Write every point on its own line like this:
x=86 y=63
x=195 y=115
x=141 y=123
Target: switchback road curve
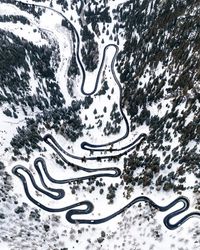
x=72 y=210
x=51 y=141
x=86 y=145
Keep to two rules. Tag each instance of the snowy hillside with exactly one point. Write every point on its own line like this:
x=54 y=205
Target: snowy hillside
x=100 y=124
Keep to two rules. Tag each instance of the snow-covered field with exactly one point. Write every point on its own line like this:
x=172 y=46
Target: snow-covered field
x=138 y=228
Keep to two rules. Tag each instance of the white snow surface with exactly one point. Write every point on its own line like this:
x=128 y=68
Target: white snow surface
x=134 y=229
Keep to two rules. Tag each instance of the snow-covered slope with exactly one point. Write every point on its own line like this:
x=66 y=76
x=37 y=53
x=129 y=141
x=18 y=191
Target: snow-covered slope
x=102 y=74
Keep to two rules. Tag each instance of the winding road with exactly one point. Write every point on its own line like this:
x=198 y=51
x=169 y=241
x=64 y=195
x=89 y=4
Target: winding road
x=72 y=210
x=86 y=145
x=56 y=194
